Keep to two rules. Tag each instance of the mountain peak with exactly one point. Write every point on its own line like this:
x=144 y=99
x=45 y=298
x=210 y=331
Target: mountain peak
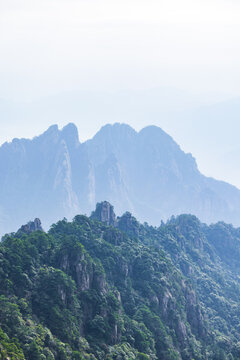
x=70 y=133
x=116 y=130
x=70 y=128
x=31 y=226
x=51 y=133
x=52 y=129
x=104 y=212
x=155 y=133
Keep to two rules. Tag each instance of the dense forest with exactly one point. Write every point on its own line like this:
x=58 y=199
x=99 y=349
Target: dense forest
x=102 y=287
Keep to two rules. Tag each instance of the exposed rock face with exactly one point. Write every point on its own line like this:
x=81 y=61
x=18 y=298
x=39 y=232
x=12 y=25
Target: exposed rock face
x=181 y=331
x=31 y=226
x=54 y=176
x=104 y=213
x=77 y=267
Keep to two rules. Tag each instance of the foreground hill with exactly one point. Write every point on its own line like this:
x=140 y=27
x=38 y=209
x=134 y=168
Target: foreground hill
x=111 y=288
x=54 y=176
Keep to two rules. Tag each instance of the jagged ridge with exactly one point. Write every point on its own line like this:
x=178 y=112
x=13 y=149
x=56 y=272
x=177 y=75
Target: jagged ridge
x=55 y=176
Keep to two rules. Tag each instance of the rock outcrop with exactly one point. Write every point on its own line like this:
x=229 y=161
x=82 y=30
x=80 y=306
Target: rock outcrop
x=31 y=226
x=128 y=224
x=104 y=212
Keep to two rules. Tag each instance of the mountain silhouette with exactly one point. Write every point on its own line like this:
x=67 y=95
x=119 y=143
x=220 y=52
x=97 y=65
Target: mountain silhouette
x=54 y=176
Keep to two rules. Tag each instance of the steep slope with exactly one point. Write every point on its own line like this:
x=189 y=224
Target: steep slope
x=54 y=176
x=36 y=177
x=87 y=290
x=148 y=174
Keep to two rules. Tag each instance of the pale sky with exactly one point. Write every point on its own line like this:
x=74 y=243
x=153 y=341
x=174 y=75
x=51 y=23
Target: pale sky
x=49 y=48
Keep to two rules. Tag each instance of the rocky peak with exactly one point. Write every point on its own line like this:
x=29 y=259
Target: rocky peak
x=104 y=212
x=70 y=134
x=116 y=130
x=128 y=224
x=31 y=226
x=51 y=135
x=52 y=130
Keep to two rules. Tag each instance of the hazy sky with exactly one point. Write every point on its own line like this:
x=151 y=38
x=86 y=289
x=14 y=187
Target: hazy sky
x=53 y=45
x=49 y=48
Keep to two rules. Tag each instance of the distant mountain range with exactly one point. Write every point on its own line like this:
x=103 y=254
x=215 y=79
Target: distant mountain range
x=54 y=176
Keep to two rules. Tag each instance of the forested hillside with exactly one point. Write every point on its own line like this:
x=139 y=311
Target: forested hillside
x=111 y=288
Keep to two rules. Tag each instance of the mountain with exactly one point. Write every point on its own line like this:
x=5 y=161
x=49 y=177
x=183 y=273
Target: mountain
x=90 y=290
x=54 y=176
